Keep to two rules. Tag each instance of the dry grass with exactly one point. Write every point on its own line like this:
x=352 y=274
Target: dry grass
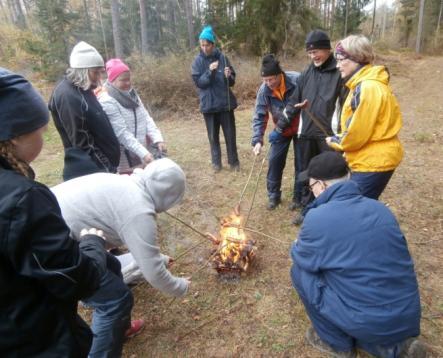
x=261 y=315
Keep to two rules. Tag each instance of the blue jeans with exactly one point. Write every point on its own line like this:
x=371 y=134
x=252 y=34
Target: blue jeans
x=112 y=304
x=277 y=161
x=372 y=184
x=305 y=282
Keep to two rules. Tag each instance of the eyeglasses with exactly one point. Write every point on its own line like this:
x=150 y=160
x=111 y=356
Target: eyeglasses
x=340 y=59
x=311 y=186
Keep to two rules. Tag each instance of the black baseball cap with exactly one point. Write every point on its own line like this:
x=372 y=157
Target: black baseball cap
x=325 y=166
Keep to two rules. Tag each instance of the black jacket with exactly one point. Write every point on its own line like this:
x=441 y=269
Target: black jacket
x=43 y=273
x=213 y=87
x=87 y=135
x=321 y=86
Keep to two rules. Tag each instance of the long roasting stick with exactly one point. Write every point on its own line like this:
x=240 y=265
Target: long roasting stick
x=237 y=207
x=317 y=122
x=256 y=185
x=187 y=225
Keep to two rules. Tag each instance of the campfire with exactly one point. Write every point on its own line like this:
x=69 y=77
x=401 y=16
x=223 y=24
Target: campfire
x=235 y=250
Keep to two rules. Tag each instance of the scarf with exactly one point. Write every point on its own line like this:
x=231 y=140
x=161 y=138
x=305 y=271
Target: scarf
x=128 y=99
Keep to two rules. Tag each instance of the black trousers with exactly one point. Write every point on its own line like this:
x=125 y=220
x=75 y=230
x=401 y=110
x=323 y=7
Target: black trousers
x=227 y=122
x=307 y=149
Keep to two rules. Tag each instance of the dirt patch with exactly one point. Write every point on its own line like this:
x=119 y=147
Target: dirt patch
x=261 y=315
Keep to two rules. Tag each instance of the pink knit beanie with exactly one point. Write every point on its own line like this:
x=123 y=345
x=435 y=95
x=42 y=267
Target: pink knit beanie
x=114 y=68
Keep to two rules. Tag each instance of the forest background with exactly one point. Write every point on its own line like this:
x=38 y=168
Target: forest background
x=42 y=32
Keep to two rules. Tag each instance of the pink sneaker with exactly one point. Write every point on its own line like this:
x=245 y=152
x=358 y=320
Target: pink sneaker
x=136 y=328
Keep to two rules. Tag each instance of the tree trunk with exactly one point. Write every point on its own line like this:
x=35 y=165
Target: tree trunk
x=197 y=2
x=345 y=32
x=12 y=13
x=420 y=27
x=373 y=20
x=190 y=25
x=144 y=26
x=116 y=31
x=87 y=18
x=437 y=30
x=172 y=17
x=99 y=8
x=385 y=15
x=331 y=20
x=4 y=12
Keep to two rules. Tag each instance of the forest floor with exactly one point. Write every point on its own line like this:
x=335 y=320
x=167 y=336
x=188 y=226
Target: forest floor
x=261 y=315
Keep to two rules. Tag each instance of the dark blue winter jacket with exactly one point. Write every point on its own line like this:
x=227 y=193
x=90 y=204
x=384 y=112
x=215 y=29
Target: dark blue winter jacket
x=356 y=259
x=266 y=103
x=213 y=86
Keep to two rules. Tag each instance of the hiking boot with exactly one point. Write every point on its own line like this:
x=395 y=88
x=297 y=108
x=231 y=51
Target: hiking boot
x=136 y=327
x=273 y=203
x=297 y=220
x=216 y=168
x=413 y=348
x=295 y=205
x=315 y=341
x=235 y=167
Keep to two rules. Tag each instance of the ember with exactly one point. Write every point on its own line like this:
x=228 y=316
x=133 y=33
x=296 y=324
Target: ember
x=235 y=250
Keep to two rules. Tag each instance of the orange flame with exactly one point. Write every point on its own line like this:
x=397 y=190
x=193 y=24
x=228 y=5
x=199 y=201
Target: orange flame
x=235 y=249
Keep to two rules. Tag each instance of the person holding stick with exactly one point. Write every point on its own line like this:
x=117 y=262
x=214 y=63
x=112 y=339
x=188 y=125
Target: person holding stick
x=213 y=75
x=272 y=97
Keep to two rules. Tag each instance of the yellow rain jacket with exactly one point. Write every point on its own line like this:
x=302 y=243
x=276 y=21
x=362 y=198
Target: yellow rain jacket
x=370 y=122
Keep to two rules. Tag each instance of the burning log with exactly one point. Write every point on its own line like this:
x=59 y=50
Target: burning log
x=235 y=250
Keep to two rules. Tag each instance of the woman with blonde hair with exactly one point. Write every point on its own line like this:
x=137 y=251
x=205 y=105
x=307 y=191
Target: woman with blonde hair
x=370 y=117
x=89 y=142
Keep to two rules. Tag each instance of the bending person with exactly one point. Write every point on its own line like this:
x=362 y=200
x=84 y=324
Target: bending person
x=132 y=124
x=125 y=208
x=370 y=118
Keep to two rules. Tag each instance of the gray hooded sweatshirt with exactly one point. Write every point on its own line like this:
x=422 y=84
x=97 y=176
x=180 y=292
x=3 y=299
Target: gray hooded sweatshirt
x=125 y=207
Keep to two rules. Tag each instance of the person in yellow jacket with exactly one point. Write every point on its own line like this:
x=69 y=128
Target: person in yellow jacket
x=370 y=118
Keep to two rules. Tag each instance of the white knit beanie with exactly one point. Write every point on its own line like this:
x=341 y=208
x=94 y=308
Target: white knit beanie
x=84 y=55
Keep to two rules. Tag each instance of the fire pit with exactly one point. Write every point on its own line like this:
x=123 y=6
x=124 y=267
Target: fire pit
x=235 y=250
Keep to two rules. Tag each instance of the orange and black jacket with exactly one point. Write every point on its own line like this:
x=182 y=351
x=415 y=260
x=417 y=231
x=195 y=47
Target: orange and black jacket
x=271 y=104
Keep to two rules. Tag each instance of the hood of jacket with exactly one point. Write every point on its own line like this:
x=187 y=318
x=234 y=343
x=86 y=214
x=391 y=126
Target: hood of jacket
x=369 y=73
x=163 y=181
x=339 y=191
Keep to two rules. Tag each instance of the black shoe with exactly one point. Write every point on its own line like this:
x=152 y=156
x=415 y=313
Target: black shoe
x=235 y=167
x=298 y=219
x=295 y=205
x=315 y=341
x=413 y=348
x=216 y=167
x=273 y=203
